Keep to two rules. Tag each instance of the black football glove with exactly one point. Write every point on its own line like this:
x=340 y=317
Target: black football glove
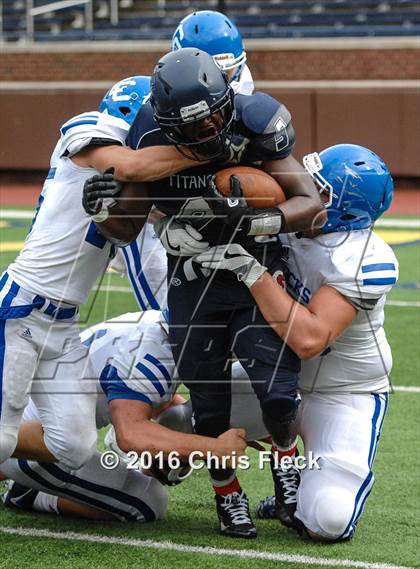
x=100 y=191
x=235 y=212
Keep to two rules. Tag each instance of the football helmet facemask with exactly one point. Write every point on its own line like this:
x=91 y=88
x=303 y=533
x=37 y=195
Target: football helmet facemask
x=193 y=103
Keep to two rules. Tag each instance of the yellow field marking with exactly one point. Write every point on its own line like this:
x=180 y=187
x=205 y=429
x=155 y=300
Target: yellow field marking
x=395 y=236
x=391 y=236
x=4 y=224
x=9 y=246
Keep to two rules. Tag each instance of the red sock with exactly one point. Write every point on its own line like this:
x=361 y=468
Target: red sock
x=233 y=486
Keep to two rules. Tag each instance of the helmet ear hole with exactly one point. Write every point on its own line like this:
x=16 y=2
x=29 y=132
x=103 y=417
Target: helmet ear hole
x=347 y=217
x=125 y=110
x=359 y=163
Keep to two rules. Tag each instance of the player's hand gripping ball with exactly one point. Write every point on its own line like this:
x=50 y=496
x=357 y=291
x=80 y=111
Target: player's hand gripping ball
x=247 y=199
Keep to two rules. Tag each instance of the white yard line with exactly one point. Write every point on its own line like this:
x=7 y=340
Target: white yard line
x=404 y=223
x=406 y=388
x=16 y=213
x=412 y=303
x=181 y=548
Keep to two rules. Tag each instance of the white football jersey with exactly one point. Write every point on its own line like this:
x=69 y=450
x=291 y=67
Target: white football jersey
x=132 y=358
x=64 y=253
x=363 y=268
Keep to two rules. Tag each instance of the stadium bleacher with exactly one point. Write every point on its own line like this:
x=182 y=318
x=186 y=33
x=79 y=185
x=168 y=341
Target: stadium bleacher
x=149 y=19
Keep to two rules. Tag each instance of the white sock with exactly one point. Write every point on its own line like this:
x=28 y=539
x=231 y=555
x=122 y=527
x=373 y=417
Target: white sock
x=46 y=503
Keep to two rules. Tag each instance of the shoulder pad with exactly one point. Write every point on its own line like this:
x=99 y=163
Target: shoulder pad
x=258 y=112
x=364 y=268
x=270 y=126
x=79 y=131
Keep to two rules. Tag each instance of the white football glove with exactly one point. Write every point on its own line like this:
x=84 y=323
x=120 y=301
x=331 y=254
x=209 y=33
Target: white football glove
x=179 y=239
x=233 y=258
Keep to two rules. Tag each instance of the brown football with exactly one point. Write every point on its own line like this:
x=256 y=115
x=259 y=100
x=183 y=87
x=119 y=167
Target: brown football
x=259 y=188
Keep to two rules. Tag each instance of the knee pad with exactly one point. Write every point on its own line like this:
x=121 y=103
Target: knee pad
x=278 y=413
x=332 y=511
x=8 y=443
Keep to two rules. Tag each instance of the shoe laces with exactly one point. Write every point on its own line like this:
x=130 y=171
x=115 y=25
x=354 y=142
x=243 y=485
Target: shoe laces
x=267 y=507
x=290 y=480
x=236 y=505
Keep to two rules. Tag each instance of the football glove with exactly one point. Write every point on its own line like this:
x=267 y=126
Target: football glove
x=179 y=239
x=233 y=258
x=246 y=221
x=99 y=193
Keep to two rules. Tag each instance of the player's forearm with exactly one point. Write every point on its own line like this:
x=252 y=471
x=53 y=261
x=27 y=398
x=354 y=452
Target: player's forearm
x=121 y=228
x=144 y=165
x=145 y=436
x=302 y=213
x=151 y=164
x=300 y=328
x=303 y=209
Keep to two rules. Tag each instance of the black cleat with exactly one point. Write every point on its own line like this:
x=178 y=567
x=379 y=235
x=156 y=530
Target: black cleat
x=19 y=496
x=234 y=517
x=286 y=484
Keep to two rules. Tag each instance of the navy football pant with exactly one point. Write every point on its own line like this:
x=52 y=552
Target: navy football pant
x=215 y=320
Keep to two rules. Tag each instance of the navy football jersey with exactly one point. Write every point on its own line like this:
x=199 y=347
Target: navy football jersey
x=262 y=131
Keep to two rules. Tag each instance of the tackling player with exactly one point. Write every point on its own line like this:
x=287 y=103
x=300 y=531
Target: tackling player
x=339 y=276
x=42 y=289
x=136 y=381
x=214 y=33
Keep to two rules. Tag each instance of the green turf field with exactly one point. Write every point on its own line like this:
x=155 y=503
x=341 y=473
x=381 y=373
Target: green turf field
x=388 y=533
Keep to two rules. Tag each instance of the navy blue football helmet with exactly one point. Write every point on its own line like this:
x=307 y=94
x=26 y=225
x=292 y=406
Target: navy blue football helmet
x=193 y=103
x=125 y=98
x=357 y=182
x=213 y=33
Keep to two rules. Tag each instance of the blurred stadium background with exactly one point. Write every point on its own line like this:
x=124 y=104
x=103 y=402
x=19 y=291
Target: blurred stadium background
x=349 y=70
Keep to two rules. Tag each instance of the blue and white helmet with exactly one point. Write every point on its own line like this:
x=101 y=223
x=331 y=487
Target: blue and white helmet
x=358 y=184
x=214 y=33
x=125 y=98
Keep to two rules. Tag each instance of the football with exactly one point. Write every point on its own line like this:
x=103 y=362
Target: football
x=259 y=188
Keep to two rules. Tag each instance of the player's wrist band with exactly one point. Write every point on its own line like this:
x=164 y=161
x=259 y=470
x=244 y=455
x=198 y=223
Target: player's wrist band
x=269 y=223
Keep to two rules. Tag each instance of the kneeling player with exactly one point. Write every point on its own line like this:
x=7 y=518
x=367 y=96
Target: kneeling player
x=339 y=276
x=136 y=381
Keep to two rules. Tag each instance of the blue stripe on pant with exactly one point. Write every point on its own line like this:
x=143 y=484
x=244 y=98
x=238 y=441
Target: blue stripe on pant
x=99 y=489
x=6 y=303
x=381 y=406
x=139 y=284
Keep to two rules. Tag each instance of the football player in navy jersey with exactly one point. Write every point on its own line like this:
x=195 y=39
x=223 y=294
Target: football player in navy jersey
x=193 y=107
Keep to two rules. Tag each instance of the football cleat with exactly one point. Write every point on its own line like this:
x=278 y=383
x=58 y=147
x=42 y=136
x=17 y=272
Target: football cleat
x=19 y=496
x=266 y=510
x=234 y=516
x=286 y=484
